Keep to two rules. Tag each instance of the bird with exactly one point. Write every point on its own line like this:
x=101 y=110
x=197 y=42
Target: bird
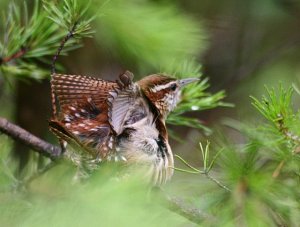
x=120 y=121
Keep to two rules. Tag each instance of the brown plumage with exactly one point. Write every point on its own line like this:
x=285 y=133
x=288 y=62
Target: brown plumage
x=119 y=120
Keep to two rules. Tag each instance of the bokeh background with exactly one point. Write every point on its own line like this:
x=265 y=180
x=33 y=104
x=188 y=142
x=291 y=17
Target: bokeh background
x=241 y=45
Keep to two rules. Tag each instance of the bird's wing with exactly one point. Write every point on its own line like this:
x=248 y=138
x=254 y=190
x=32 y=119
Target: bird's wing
x=82 y=116
x=77 y=90
x=121 y=100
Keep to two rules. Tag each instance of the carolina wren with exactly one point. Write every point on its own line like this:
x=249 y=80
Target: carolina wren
x=118 y=120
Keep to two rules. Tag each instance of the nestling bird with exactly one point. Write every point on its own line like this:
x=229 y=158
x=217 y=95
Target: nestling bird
x=118 y=120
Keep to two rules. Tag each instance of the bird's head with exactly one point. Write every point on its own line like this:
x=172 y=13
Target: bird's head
x=163 y=91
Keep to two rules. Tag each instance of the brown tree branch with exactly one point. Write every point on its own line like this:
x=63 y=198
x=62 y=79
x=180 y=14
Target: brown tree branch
x=35 y=143
x=16 y=55
x=53 y=152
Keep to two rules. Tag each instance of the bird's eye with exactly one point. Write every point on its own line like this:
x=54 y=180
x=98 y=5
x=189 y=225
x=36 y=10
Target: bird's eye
x=173 y=87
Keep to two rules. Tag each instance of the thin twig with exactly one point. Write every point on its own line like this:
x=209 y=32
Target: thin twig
x=217 y=182
x=62 y=44
x=35 y=143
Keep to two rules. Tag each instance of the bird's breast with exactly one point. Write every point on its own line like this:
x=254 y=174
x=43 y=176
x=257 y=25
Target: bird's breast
x=142 y=143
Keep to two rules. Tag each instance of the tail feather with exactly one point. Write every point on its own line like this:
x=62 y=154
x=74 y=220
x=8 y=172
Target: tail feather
x=63 y=134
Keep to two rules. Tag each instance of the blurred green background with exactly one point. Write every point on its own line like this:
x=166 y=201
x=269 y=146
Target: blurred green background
x=241 y=45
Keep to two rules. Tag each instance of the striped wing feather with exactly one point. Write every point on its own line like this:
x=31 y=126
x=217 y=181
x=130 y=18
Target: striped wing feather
x=70 y=89
x=82 y=118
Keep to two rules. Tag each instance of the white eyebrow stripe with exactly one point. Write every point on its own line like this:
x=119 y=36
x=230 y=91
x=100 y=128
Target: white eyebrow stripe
x=162 y=87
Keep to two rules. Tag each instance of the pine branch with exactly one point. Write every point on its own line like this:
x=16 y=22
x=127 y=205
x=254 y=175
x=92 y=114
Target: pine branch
x=17 y=133
x=30 y=39
x=277 y=109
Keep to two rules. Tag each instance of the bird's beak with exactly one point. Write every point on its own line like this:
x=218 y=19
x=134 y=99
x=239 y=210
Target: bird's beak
x=184 y=82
